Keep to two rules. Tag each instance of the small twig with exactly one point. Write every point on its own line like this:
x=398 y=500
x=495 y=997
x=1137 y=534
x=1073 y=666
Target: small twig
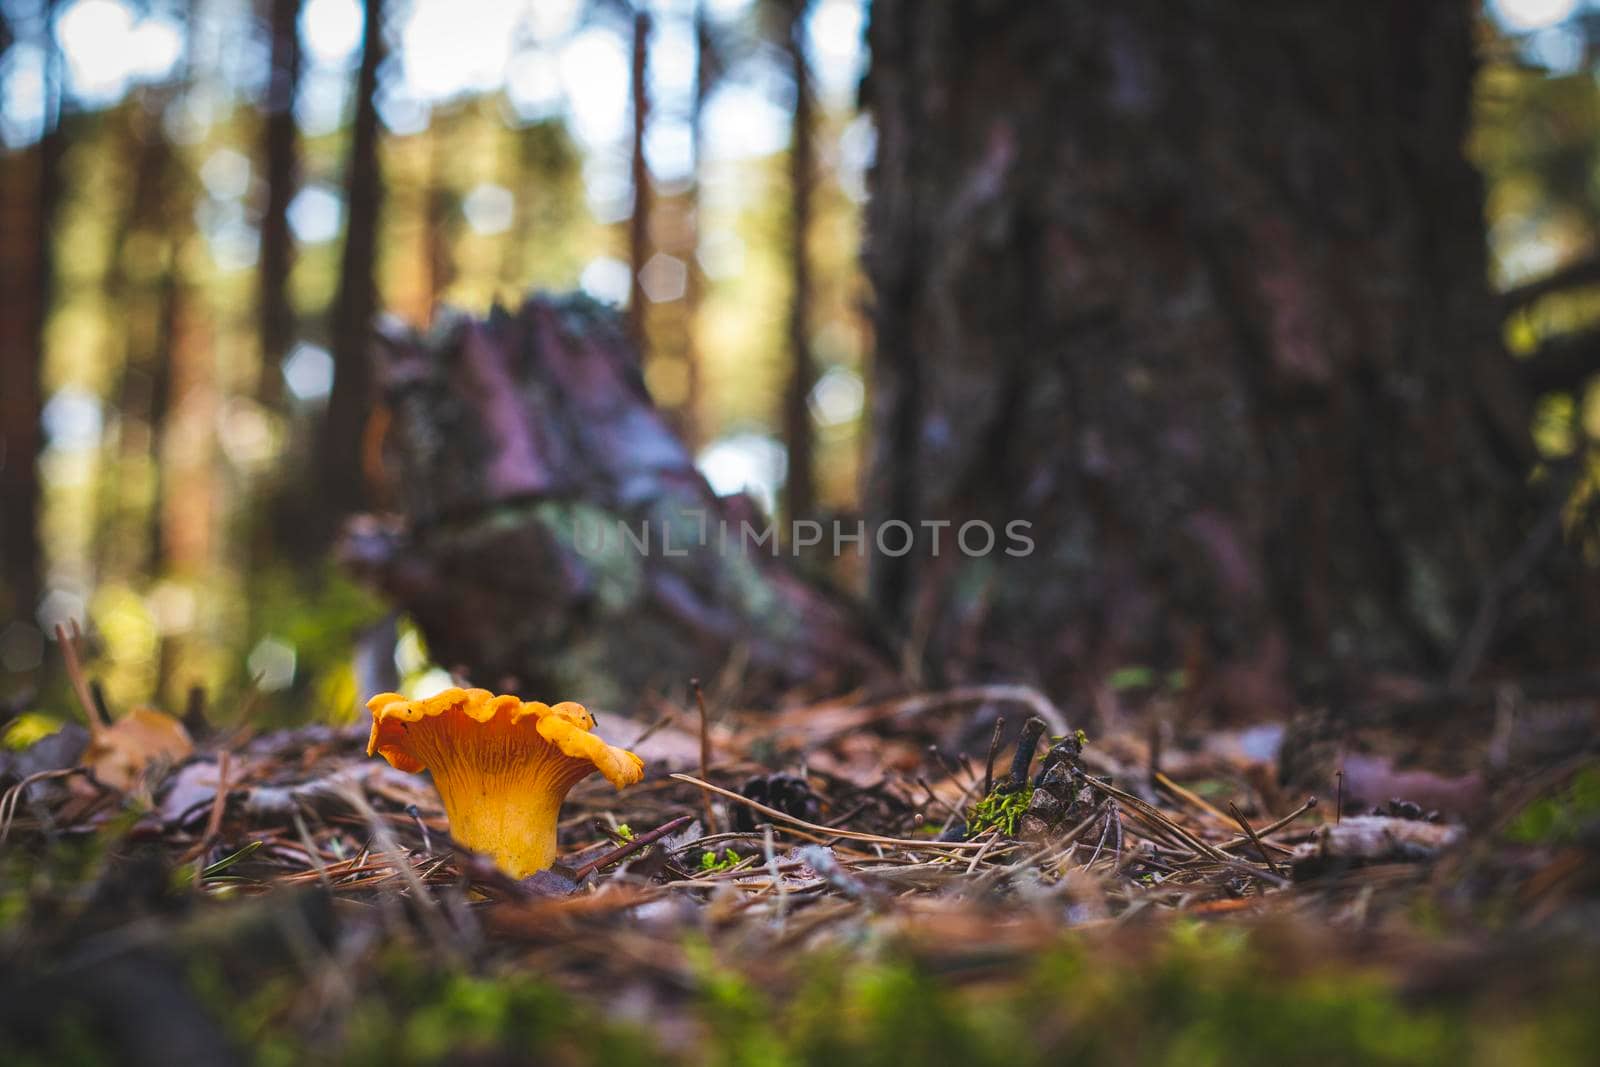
x=98 y=692
x=639 y=841
x=1273 y=827
x=705 y=750
x=1105 y=832
x=311 y=850
x=1150 y=811
x=1191 y=797
x=219 y=804
x=960 y=807
x=993 y=837
x=416 y=815
x=776 y=875
x=654 y=728
x=1338 y=804
x=933 y=798
x=194 y=714
x=427 y=907
x=994 y=748
x=11 y=799
x=1155 y=752
x=1250 y=832
x=1022 y=758
x=80 y=684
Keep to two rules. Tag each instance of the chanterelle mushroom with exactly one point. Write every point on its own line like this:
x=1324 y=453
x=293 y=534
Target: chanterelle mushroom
x=502 y=766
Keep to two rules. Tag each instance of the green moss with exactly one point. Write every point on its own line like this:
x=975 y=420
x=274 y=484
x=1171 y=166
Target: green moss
x=999 y=810
x=710 y=862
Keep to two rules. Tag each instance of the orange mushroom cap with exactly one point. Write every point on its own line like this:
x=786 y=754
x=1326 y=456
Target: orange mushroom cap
x=502 y=765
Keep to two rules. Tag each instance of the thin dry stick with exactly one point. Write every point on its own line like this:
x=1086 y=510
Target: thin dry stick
x=705 y=750
x=994 y=748
x=1255 y=839
x=219 y=803
x=978 y=858
x=311 y=850
x=651 y=730
x=1189 y=797
x=961 y=806
x=1159 y=817
x=1274 y=827
x=12 y=798
x=622 y=852
x=829 y=831
x=427 y=907
x=776 y=876
x=80 y=683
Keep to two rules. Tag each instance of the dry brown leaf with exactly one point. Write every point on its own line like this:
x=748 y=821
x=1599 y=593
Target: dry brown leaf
x=118 y=754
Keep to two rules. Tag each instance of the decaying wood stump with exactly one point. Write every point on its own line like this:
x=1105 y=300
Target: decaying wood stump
x=556 y=539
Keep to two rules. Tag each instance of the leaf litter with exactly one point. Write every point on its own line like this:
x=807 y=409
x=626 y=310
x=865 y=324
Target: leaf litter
x=757 y=845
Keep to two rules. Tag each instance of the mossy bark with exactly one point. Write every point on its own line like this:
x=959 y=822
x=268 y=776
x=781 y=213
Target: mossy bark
x=558 y=541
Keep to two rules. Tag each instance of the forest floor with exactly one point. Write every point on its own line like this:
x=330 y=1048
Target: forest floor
x=830 y=883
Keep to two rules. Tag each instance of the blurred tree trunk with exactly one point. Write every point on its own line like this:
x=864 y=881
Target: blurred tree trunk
x=799 y=438
x=439 y=266
x=280 y=152
x=33 y=196
x=340 y=451
x=151 y=226
x=705 y=75
x=639 y=220
x=1198 y=291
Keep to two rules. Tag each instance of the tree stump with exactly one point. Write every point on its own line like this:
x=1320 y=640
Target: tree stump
x=554 y=537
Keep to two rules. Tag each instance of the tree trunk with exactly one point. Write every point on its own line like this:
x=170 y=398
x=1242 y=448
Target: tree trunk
x=280 y=164
x=1198 y=291
x=799 y=497
x=639 y=220
x=344 y=422
x=694 y=289
x=29 y=250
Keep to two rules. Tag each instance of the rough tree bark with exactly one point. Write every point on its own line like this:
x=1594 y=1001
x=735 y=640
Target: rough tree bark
x=521 y=447
x=1198 y=290
x=799 y=491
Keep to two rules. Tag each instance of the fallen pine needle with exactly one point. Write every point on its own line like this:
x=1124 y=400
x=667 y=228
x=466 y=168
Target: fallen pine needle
x=830 y=831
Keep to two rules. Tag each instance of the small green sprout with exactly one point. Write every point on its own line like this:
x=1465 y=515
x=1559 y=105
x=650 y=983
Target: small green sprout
x=710 y=864
x=625 y=831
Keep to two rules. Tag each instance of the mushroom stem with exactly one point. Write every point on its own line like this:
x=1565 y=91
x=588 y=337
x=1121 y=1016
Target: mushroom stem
x=502 y=766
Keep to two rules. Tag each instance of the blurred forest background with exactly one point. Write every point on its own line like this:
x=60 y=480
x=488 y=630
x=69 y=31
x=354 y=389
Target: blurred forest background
x=204 y=204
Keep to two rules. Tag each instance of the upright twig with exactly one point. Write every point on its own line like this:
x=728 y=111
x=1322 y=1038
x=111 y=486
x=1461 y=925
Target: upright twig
x=639 y=220
x=994 y=749
x=705 y=750
x=219 y=804
x=80 y=684
x=1250 y=832
x=1022 y=759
